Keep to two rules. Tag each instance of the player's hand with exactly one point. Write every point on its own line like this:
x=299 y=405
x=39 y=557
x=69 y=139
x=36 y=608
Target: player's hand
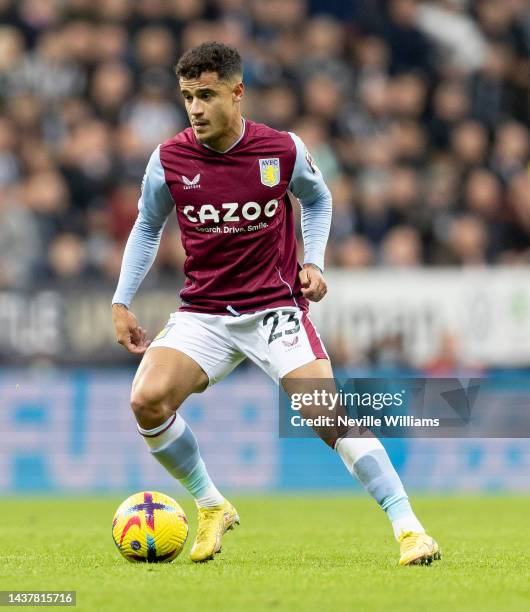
x=314 y=286
x=128 y=333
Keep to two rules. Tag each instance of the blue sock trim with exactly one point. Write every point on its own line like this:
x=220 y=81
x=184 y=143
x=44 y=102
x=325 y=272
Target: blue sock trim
x=397 y=507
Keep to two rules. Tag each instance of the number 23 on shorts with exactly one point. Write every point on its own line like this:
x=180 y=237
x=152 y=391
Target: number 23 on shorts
x=289 y=323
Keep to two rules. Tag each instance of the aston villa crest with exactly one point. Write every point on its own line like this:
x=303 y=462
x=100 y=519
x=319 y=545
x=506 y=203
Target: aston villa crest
x=269 y=170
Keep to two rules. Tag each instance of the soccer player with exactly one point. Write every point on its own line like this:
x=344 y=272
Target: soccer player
x=245 y=295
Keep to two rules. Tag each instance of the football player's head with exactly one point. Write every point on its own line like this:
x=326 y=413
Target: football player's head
x=210 y=78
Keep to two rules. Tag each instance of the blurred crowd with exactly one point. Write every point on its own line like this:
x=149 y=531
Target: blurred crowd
x=416 y=112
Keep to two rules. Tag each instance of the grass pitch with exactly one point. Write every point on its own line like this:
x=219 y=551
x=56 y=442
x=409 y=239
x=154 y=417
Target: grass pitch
x=290 y=553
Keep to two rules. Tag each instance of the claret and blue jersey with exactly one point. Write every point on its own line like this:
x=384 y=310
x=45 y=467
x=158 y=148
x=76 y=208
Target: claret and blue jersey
x=235 y=217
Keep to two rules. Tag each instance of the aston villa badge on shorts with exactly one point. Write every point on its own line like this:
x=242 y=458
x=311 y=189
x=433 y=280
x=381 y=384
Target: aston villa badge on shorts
x=269 y=170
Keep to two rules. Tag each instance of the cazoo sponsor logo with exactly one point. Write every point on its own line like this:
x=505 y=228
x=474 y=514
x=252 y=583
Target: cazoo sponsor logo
x=230 y=212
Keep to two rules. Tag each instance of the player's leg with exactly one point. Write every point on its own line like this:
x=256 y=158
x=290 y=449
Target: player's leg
x=166 y=377
x=287 y=346
x=367 y=460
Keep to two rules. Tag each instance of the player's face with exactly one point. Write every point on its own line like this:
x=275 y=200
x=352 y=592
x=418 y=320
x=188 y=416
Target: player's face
x=212 y=106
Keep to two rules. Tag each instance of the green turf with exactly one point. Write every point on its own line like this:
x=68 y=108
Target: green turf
x=290 y=553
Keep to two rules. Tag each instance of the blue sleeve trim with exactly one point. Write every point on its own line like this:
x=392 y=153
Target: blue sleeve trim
x=308 y=185
x=154 y=206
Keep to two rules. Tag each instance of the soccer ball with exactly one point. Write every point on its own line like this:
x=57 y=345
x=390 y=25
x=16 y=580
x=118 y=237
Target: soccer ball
x=150 y=527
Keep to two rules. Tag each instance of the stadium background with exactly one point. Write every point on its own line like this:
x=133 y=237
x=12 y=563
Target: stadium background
x=416 y=113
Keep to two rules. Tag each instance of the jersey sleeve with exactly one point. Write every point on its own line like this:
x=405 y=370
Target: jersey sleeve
x=154 y=207
x=308 y=185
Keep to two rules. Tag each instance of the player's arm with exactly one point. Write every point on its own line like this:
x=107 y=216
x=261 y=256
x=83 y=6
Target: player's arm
x=309 y=187
x=154 y=206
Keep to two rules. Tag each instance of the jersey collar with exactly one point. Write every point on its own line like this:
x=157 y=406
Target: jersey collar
x=243 y=126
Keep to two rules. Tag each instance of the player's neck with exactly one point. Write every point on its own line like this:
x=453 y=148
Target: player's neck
x=229 y=138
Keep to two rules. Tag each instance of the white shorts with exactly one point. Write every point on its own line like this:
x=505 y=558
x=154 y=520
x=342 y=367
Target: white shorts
x=278 y=340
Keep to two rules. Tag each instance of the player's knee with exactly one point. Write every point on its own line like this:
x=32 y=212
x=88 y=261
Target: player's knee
x=150 y=404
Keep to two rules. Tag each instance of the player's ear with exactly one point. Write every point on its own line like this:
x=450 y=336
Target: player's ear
x=237 y=91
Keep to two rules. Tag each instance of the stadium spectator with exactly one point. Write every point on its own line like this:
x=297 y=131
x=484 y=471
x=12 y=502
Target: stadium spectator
x=354 y=252
x=67 y=259
x=402 y=248
x=460 y=43
x=469 y=144
x=450 y=106
x=468 y=241
x=20 y=241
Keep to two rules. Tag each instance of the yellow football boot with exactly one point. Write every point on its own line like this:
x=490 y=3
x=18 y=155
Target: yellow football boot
x=212 y=524
x=418 y=549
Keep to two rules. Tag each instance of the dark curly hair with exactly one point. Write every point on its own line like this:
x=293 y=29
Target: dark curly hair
x=210 y=57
